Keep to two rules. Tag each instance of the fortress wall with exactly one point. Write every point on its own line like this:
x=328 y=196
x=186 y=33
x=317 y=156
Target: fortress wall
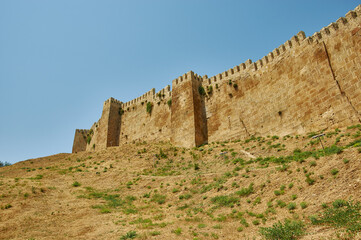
x=138 y=125
x=291 y=90
x=304 y=85
x=182 y=118
x=80 y=143
x=343 y=43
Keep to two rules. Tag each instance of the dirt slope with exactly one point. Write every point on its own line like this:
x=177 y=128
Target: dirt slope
x=225 y=190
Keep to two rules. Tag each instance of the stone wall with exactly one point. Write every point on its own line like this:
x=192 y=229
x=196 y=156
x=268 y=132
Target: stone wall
x=80 y=138
x=307 y=84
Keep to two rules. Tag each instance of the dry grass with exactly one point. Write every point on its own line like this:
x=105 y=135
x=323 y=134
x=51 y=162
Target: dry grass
x=163 y=192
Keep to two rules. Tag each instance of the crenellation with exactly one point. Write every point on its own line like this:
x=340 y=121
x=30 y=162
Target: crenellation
x=317 y=36
x=242 y=66
x=341 y=21
x=288 y=45
x=259 y=64
x=295 y=41
x=301 y=36
x=218 y=77
x=309 y=40
x=351 y=15
x=248 y=63
x=325 y=30
x=265 y=60
x=236 y=69
x=276 y=52
x=301 y=96
x=282 y=48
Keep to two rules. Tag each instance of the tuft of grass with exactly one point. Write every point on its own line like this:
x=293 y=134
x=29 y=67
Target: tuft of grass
x=246 y=191
x=158 y=198
x=76 y=184
x=290 y=229
x=154 y=233
x=177 y=231
x=291 y=206
x=343 y=214
x=303 y=205
x=225 y=201
x=129 y=235
x=334 y=171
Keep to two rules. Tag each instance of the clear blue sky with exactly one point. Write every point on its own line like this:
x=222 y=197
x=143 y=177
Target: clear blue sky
x=61 y=59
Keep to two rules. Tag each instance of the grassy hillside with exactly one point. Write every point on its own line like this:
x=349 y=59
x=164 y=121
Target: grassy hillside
x=244 y=189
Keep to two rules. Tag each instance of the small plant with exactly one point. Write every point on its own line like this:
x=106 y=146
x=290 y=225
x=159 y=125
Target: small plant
x=201 y=91
x=313 y=163
x=245 y=191
x=256 y=222
x=225 y=201
x=129 y=235
x=309 y=180
x=7 y=206
x=334 y=171
x=177 y=231
x=345 y=161
x=160 y=199
x=196 y=166
x=291 y=206
x=149 y=107
x=343 y=214
x=169 y=102
x=303 y=205
x=154 y=233
x=294 y=197
x=290 y=229
x=76 y=184
x=338 y=203
x=202 y=225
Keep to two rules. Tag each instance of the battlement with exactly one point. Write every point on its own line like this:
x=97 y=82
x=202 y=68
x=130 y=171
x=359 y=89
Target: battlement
x=82 y=131
x=148 y=96
x=113 y=100
x=308 y=83
x=164 y=93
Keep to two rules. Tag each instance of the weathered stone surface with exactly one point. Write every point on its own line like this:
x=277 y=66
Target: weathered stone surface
x=307 y=84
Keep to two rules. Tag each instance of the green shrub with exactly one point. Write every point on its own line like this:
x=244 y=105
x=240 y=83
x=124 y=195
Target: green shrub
x=129 y=235
x=149 y=107
x=303 y=205
x=76 y=184
x=154 y=233
x=343 y=214
x=160 y=199
x=177 y=231
x=309 y=180
x=289 y=230
x=201 y=91
x=225 y=201
x=169 y=102
x=334 y=171
x=339 y=203
x=291 y=206
x=245 y=191
x=256 y=222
